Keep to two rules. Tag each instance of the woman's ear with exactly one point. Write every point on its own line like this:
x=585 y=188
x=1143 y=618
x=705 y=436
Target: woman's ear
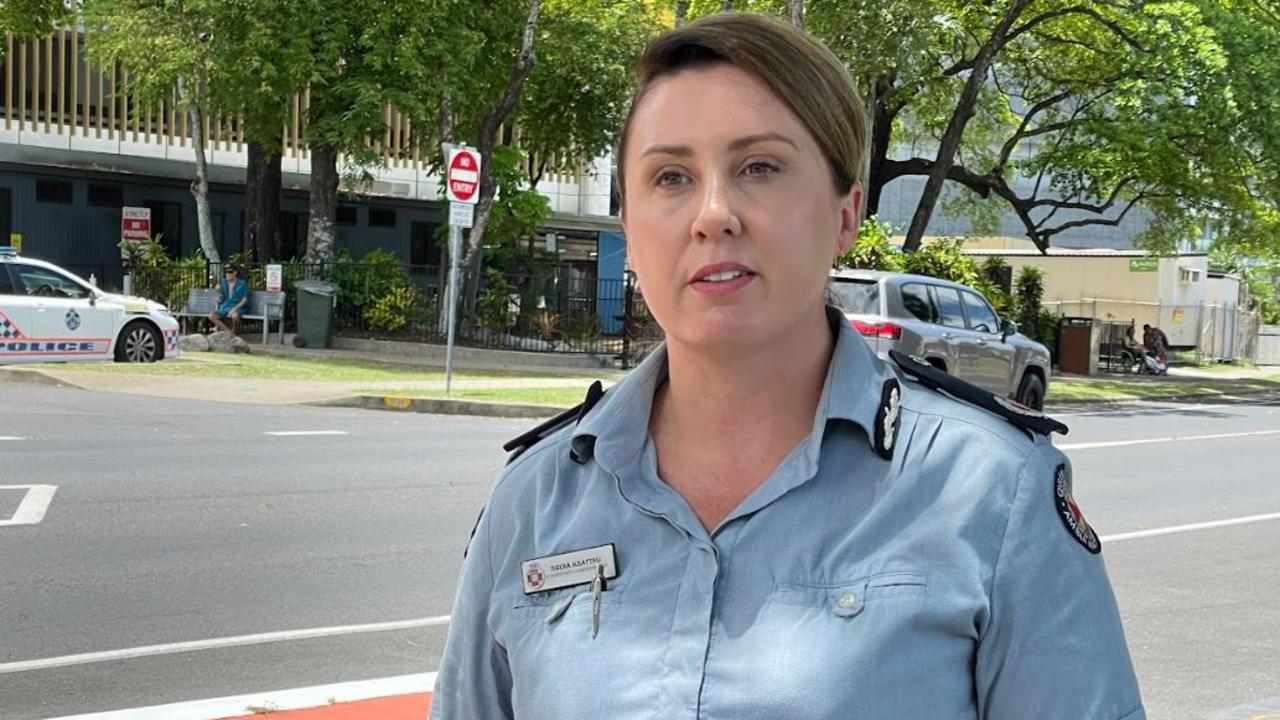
x=850 y=219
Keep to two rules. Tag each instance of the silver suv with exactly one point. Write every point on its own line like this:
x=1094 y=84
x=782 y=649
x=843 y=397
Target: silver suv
x=950 y=325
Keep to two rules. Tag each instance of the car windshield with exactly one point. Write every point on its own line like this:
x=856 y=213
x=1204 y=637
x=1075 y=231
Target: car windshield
x=861 y=297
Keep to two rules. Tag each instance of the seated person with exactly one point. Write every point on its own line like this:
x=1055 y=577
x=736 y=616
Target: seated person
x=233 y=295
x=1132 y=345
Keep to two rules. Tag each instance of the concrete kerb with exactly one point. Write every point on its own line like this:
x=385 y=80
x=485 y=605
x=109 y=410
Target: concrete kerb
x=465 y=358
x=33 y=376
x=441 y=406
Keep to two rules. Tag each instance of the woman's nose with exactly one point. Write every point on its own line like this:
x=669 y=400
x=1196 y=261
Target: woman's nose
x=717 y=215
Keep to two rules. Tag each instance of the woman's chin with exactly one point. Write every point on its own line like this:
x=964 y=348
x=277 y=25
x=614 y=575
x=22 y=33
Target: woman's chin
x=720 y=330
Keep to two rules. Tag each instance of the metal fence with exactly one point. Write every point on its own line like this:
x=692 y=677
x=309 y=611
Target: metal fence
x=558 y=311
x=1268 y=352
x=1207 y=332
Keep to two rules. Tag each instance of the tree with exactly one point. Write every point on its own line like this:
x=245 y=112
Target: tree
x=166 y=44
x=262 y=62
x=31 y=17
x=494 y=102
x=365 y=55
x=1071 y=115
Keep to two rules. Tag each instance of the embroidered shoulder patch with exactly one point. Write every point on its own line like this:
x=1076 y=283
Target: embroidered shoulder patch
x=1069 y=512
x=886 y=429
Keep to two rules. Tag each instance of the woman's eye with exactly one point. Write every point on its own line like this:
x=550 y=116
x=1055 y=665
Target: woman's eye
x=670 y=178
x=760 y=167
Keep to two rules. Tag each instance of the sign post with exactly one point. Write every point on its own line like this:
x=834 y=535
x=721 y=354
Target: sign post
x=135 y=228
x=462 y=187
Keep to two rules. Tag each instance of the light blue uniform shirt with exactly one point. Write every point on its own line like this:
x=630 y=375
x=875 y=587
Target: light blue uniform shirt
x=940 y=584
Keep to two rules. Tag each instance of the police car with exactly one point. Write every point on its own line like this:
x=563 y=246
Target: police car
x=49 y=314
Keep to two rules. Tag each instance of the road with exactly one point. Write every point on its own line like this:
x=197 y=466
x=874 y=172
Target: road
x=182 y=522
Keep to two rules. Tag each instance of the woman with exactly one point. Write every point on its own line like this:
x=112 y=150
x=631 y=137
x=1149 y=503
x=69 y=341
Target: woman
x=233 y=295
x=761 y=521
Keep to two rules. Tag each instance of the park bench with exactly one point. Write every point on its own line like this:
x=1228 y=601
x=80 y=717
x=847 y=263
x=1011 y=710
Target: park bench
x=263 y=306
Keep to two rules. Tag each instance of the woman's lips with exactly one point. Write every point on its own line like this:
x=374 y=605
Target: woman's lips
x=721 y=278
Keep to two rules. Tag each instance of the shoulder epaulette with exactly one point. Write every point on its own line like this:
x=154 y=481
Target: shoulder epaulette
x=574 y=414
x=1016 y=413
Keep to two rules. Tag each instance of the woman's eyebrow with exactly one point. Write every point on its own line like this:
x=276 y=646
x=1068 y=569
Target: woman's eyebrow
x=750 y=140
x=738 y=144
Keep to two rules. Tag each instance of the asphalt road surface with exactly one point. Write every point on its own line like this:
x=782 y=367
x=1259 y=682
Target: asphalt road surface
x=329 y=551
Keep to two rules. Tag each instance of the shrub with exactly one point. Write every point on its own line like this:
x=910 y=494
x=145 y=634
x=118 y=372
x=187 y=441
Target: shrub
x=873 y=249
x=493 y=304
x=1029 y=292
x=392 y=311
x=944 y=259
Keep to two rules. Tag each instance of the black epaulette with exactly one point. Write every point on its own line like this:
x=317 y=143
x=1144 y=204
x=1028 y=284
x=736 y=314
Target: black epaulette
x=573 y=415
x=1016 y=413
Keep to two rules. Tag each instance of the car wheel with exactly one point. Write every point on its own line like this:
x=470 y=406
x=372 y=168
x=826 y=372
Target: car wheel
x=1031 y=392
x=139 y=343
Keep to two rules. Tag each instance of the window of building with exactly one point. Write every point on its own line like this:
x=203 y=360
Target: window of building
x=382 y=217
x=106 y=196
x=53 y=191
x=347 y=215
x=424 y=247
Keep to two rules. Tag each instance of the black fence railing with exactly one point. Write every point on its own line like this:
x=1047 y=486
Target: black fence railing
x=559 y=311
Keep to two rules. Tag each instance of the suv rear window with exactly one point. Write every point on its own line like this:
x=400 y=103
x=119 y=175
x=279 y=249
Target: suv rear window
x=860 y=297
x=915 y=299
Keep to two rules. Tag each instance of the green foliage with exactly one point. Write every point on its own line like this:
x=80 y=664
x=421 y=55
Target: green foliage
x=873 y=250
x=30 y=17
x=493 y=305
x=1045 y=331
x=576 y=95
x=392 y=311
x=992 y=277
x=156 y=276
x=944 y=259
x=518 y=210
x=1029 y=291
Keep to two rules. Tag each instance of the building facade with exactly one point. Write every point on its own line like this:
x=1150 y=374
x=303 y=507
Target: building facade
x=75 y=149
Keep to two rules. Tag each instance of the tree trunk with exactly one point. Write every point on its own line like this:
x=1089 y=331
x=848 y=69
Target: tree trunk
x=472 y=261
x=796 y=11
x=321 y=230
x=726 y=6
x=965 y=109
x=262 y=204
x=682 y=12
x=878 y=152
x=200 y=187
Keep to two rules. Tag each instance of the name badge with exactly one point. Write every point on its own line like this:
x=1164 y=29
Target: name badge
x=577 y=567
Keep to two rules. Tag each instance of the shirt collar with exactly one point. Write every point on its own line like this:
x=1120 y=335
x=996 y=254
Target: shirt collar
x=616 y=428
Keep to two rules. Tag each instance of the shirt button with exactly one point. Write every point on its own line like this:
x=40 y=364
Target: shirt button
x=847 y=602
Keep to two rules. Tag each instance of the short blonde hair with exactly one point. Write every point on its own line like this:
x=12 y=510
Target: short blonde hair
x=801 y=72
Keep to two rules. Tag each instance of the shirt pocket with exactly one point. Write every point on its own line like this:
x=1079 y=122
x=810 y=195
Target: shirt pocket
x=551 y=607
x=851 y=599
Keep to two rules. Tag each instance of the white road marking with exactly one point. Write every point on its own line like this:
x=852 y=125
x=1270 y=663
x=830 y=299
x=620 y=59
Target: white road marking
x=10 y=437
x=33 y=506
x=217 y=643
x=1173 y=438
x=304 y=433
x=308 y=697
x=1156 y=532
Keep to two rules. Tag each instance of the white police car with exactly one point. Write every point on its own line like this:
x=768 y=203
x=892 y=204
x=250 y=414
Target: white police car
x=49 y=314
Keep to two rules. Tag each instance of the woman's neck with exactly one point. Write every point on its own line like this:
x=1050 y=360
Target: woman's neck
x=768 y=393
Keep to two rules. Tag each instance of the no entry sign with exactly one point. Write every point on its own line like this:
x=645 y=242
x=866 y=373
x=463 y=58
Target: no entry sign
x=462 y=177
x=135 y=224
